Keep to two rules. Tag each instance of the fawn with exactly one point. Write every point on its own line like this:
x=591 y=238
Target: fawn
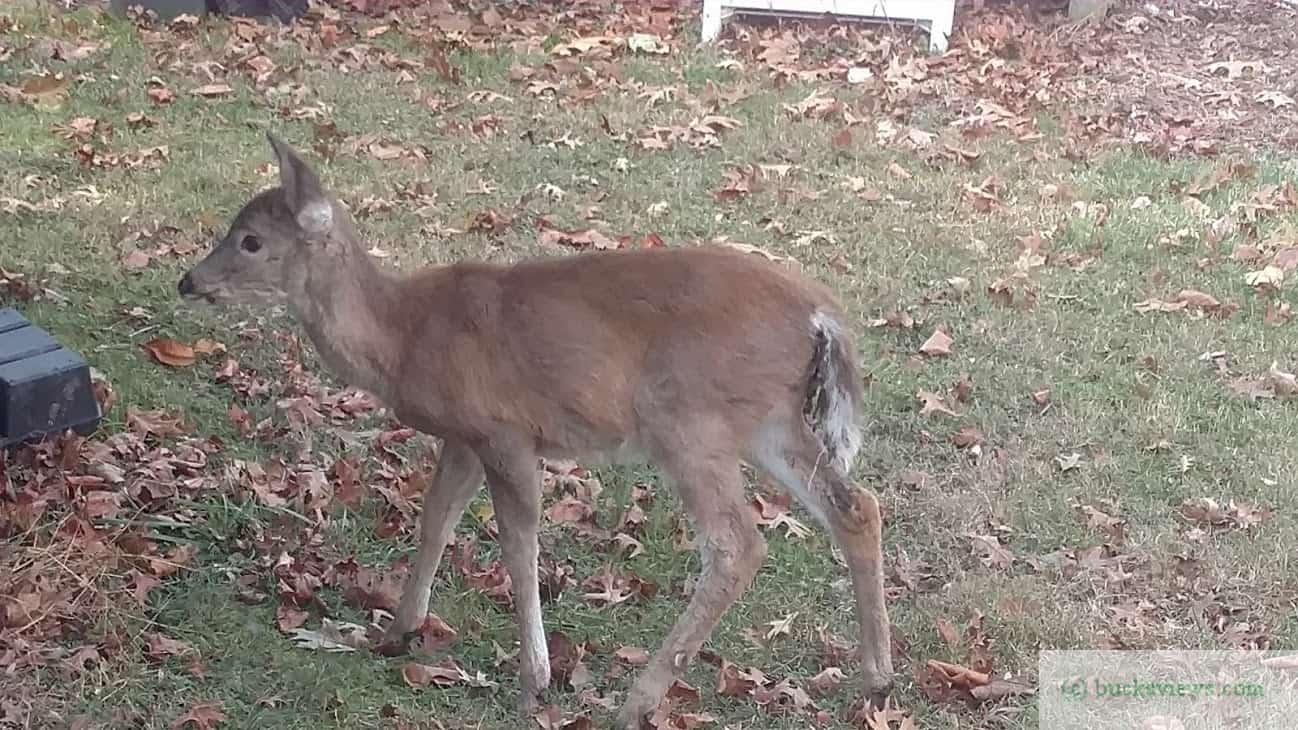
x=693 y=359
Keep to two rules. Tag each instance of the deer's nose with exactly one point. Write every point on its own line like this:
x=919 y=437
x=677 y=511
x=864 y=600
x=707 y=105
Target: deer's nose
x=186 y=285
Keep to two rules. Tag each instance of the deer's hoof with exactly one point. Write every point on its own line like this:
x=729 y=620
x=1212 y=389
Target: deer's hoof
x=529 y=703
x=394 y=641
x=877 y=696
x=636 y=714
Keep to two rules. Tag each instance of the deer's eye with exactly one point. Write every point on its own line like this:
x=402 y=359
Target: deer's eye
x=250 y=244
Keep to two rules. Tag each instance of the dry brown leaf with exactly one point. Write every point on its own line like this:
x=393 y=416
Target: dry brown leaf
x=135 y=260
x=990 y=551
x=632 y=655
x=937 y=345
x=931 y=403
x=200 y=716
x=160 y=647
x=1208 y=512
x=170 y=352
x=999 y=689
x=587 y=239
x=825 y=682
x=780 y=627
x=443 y=674
x=161 y=95
x=959 y=676
x=1277 y=313
x=1197 y=300
x=967 y=438
x=210 y=91
x=205 y=347
x=946 y=630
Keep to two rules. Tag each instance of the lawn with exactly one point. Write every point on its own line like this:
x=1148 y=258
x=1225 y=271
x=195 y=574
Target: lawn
x=1065 y=252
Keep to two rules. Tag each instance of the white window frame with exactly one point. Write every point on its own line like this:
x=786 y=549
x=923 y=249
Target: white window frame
x=937 y=16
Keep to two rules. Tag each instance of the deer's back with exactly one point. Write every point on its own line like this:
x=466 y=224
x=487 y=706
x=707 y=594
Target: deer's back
x=585 y=352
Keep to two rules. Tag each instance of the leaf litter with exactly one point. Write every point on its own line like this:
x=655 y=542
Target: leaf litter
x=160 y=461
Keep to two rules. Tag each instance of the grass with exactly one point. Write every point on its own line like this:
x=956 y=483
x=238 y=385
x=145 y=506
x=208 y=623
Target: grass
x=1081 y=338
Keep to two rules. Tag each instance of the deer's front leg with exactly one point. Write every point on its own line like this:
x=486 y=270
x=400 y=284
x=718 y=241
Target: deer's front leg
x=458 y=476
x=513 y=481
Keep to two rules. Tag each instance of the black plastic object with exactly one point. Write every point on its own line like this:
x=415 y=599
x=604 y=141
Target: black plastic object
x=284 y=10
x=44 y=387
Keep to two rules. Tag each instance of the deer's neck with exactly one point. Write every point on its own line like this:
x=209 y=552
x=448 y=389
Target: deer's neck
x=348 y=306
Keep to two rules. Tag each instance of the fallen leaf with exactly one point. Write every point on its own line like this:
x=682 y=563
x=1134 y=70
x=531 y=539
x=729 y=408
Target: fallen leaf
x=959 y=676
x=444 y=674
x=135 y=260
x=682 y=694
x=1277 y=314
x=962 y=391
x=825 y=682
x=937 y=345
x=1197 y=299
x=646 y=43
x=1097 y=519
x=1284 y=384
x=211 y=91
x=170 y=352
x=1208 y=512
x=288 y=619
x=946 y=630
x=1068 y=462
x=161 y=95
x=632 y=655
x=991 y=553
x=203 y=346
x=433 y=636
x=333 y=636
x=967 y=437
x=1269 y=277
x=200 y=716
x=570 y=510
x=780 y=627
x=931 y=403
x=998 y=689
x=160 y=647
x=587 y=239
x=733 y=682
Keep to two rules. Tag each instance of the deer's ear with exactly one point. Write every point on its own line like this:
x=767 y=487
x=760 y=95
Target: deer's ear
x=302 y=189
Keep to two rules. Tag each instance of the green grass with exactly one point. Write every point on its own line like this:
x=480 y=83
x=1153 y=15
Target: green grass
x=1082 y=339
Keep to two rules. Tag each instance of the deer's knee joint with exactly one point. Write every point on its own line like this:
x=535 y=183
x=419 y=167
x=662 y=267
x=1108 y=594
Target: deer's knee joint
x=733 y=557
x=739 y=548
x=855 y=507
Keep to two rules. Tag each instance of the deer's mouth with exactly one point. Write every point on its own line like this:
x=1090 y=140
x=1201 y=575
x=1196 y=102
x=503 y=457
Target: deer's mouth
x=190 y=292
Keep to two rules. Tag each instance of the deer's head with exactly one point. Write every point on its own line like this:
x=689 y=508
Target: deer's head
x=272 y=239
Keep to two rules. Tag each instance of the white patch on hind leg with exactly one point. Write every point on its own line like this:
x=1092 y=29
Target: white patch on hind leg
x=769 y=450
x=838 y=425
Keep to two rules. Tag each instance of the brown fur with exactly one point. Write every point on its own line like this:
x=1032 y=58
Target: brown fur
x=691 y=358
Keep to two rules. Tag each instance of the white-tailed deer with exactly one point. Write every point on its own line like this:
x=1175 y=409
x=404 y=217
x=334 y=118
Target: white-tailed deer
x=694 y=359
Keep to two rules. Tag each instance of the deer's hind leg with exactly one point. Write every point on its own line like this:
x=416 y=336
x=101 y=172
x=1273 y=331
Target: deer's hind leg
x=711 y=486
x=788 y=450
